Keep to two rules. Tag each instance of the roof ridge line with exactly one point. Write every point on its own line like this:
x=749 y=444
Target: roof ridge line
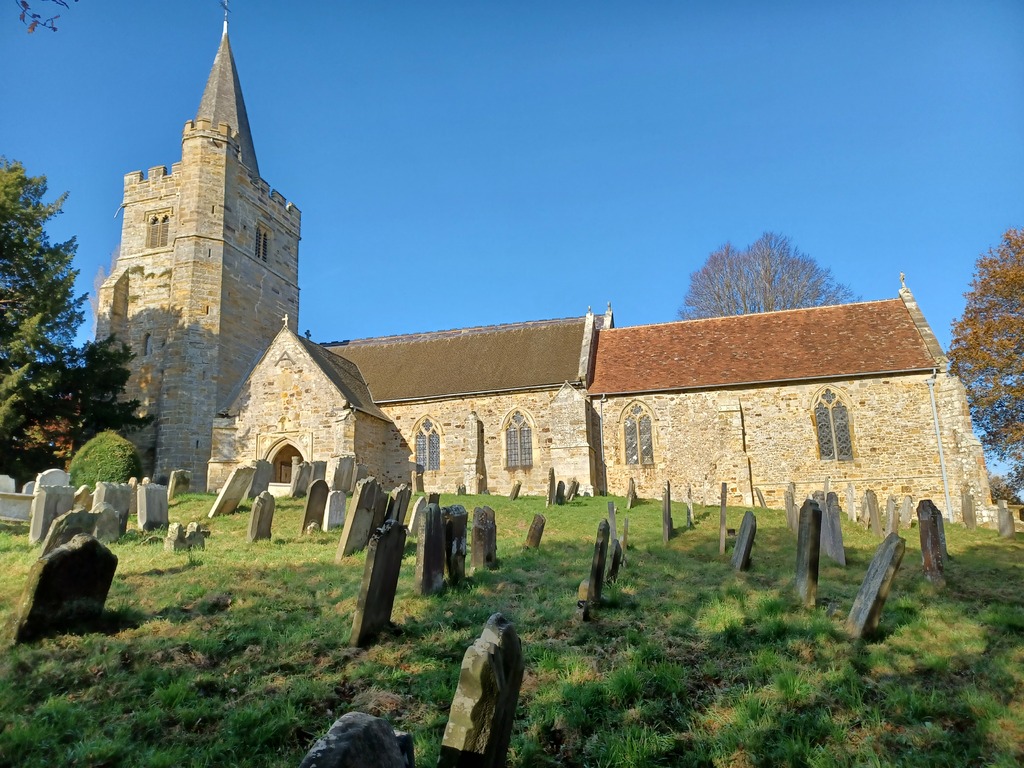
x=452 y=332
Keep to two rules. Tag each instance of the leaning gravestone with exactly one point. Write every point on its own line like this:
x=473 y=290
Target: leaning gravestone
x=873 y=515
x=931 y=547
x=301 y=472
x=892 y=517
x=1007 y=529
x=83 y=497
x=967 y=508
x=263 y=473
x=808 y=545
x=484 y=706
x=51 y=477
x=484 y=550
x=66 y=527
x=261 y=520
x=552 y=488
x=533 y=536
x=611 y=521
x=744 y=542
x=572 y=490
x=181 y=480
x=380 y=580
x=152 y=500
x=760 y=498
x=117 y=495
x=359 y=518
x=666 y=513
x=48 y=503
x=867 y=606
x=64 y=588
x=613 y=569
x=357 y=740
x=317 y=471
x=398 y=503
x=832 y=532
x=316 y=504
x=381 y=503
x=429 y=577
x=111 y=523
x=334 y=513
x=631 y=494
x=414 y=518
x=233 y=492
x=514 y=493
x=907 y=512
x=595 y=585
x=344 y=471
x=455 y=519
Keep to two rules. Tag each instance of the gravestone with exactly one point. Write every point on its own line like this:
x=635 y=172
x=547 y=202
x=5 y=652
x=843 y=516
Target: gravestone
x=611 y=521
x=598 y=563
x=117 y=495
x=83 y=497
x=361 y=472
x=414 y=519
x=851 y=503
x=48 y=503
x=940 y=524
x=1007 y=529
x=145 y=481
x=398 y=503
x=666 y=513
x=808 y=544
x=262 y=518
x=233 y=491
x=631 y=497
x=301 y=472
x=359 y=740
x=359 y=519
x=931 y=547
x=179 y=483
x=460 y=490
x=760 y=498
x=111 y=523
x=334 y=513
x=613 y=569
x=429 y=577
x=263 y=473
x=175 y=541
x=64 y=528
x=572 y=490
x=869 y=512
x=52 y=477
x=316 y=505
x=380 y=580
x=533 y=536
x=867 y=606
x=381 y=503
x=744 y=542
x=514 y=493
x=7 y=484
x=552 y=488
x=342 y=477
x=152 y=501
x=417 y=481
x=832 y=531
x=29 y=488
x=792 y=517
x=689 y=507
x=721 y=520
x=433 y=498
x=484 y=706
x=317 y=471
x=455 y=520
x=967 y=508
x=560 y=493
x=892 y=516
x=907 y=512
x=484 y=549
x=625 y=536
x=820 y=497
x=65 y=588
x=133 y=498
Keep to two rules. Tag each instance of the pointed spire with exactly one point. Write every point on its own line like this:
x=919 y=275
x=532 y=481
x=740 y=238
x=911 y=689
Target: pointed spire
x=222 y=101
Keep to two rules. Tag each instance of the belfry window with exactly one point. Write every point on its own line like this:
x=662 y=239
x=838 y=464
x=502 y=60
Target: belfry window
x=428 y=447
x=518 y=442
x=262 y=242
x=639 y=436
x=157 y=230
x=832 y=423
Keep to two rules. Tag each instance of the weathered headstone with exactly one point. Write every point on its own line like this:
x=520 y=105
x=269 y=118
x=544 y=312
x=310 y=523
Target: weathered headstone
x=598 y=563
x=572 y=490
x=560 y=493
x=832 y=531
x=174 y=541
x=29 y=488
x=64 y=528
x=613 y=569
x=1007 y=529
x=344 y=469
x=460 y=489
x=760 y=499
x=480 y=721
x=533 y=536
x=931 y=547
x=820 y=497
x=721 y=520
x=301 y=473
x=7 y=484
x=263 y=473
x=433 y=498
x=867 y=606
x=48 y=503
x=907 y=512
x=514 y=493
x=484 y=548
x=111 y=523
x=359 y=519
x=892 y=516
x=334 y=512
x=429 y=577
x=117 y=495
x=455 y=522
x=179 y=483
x=744 y=542
x=940 y=524
x=631 y=497
x=417 y=481
x=851 y=503
x=360 y=472
x=611 y=521
x=152 y=501
x=967 y=508
x=83 y=497
x=792 y=517
x=52 y=477
x=317 y=471
x=666 y=513
x=873 y=515
x=414 y=518
x=552 y=488
x=63 y=589
x=234 y=490
x=808 y=545
x=398 y=503
x=133 y=498
x=359 y=740
x=316 y=505
x=689 y=506
x=380 y=580
x=625 y=536
x=262 y=518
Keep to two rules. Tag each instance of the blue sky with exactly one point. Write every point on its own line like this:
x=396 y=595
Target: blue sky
x=469 y=163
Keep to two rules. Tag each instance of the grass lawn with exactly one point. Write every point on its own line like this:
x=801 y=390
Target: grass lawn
x=238 y=655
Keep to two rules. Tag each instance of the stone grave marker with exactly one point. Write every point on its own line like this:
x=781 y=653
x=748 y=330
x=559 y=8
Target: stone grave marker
x=792 y=517
x=381 y=503
x=334 y=513
x=1004 y=521
x=417 y=481
x=455 y=520
x=344 y=470
x=179 y=483
x=316 y=505
x=261 y=520
x=867 y=606
x=611 y=521
x=760 y=498
x=263 y=473
x=64 y=588
x=484 y=706
x=29 y=488
x=631 y=497
x=721 y=520
x=940 y=524
x=117 y=495
x=744 y=542
x=177 y=539
x=52 y=477
x=598 y=563
x=689 y=506
x=869 y=510
x=301 y=472
x=430 y=558
x=832 y=531
x=907 y=512
x=317 y=471
x=666 y=513
x=83 y=497
x=361 y=472
x=892 y=516
x=514 y=493
x=414 y=519
x=484 y=550
x=359 y=740
x=552 y=488
x=967 y=509
x=111 y=523
x=398 y=503
x=64 y=528
x=820 y=497
x=851 y=503
x=572 y=490
x=359 y=519
x=433 y=498
x=808 y=544
x=234 y=490
x=7 y=484
x=533 y=536
x=380 y=580
x=460 y=489
x=560 y=493
x=625 y=537
x=931 y=547
x=48 y=503
x=152 y=501
x=613 y=569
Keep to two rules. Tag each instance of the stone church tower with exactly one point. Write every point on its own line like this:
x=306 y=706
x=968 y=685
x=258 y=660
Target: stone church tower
x=207 y=269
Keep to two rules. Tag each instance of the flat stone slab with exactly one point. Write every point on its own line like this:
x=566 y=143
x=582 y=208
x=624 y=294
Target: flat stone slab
x=234 y=490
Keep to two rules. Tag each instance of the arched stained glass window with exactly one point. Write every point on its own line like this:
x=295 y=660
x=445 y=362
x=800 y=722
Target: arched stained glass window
x=639 y=436
x=518 y=442
x=428 y=447
x=832 y=421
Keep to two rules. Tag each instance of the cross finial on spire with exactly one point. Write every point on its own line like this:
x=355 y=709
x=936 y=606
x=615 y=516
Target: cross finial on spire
x=903 y=280
x=224 y=5
x=285 y=318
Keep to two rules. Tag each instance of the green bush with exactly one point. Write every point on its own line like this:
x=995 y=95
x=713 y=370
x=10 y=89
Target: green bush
x=107 y=457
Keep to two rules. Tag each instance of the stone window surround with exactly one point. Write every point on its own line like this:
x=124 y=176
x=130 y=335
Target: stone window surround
x=435 y=428
x=262 y=249
x=621 y=430
x=157 y=228
x=841 y=397
x=506 y=423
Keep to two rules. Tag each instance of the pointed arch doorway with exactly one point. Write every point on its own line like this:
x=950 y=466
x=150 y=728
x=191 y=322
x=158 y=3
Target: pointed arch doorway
x=282 y=462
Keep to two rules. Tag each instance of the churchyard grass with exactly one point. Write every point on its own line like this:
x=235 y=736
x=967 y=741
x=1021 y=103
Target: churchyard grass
x=238 y=654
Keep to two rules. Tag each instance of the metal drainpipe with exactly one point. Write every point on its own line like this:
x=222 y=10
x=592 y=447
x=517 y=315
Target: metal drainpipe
x=604 y=467
x=938 y=438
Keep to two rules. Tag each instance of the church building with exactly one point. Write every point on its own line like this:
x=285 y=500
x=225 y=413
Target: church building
x=205 y=292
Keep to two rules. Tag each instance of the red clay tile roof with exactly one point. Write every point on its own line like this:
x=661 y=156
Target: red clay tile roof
x=843 y=340
x=466 y=360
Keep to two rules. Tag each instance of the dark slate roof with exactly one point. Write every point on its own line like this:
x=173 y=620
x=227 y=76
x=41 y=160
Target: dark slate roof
x=821 y=342
x=222 y=102
x=345 y=376
x=493 y=358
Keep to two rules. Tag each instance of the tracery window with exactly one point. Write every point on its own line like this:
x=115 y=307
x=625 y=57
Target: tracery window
x=262 y=242
x=518 y=442
x=639 y=436
x=428 y=446
x=158 y=230
x=832 y=422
